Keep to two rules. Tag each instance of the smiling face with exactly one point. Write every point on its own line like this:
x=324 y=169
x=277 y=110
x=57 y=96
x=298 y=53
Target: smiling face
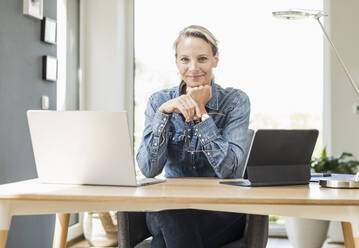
x=195 y=61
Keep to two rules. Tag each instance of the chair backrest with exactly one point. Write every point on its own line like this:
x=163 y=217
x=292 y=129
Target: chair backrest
x=240 y=170
x=132 y=229
x=255 y=233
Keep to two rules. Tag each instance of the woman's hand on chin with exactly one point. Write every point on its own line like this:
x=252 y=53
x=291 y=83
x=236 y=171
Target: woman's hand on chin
x=184 y=105
x=201 y=96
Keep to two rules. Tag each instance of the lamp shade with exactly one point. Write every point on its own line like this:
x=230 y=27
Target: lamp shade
x=298 y=14
x=290 y=15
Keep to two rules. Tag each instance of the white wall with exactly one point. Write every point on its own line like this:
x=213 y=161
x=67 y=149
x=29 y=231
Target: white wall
x=106 y=55
x=341 y=126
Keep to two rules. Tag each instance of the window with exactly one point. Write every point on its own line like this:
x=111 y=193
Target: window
x=278 y=63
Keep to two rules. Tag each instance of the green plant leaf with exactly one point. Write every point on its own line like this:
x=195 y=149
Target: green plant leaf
x=332 y=164
x=324 y=153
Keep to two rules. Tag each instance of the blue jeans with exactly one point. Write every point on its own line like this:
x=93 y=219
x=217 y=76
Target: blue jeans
x=194 y=228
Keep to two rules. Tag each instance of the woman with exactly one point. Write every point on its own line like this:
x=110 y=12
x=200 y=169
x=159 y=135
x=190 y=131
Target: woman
x=197 y=129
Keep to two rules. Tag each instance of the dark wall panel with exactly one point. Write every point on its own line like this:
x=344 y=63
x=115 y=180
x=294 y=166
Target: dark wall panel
x=21 y=88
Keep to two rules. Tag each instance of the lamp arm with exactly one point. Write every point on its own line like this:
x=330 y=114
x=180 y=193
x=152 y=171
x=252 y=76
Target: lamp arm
x=338 y=57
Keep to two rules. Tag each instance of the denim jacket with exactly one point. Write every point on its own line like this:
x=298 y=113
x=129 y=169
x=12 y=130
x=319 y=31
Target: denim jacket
x=212 y=148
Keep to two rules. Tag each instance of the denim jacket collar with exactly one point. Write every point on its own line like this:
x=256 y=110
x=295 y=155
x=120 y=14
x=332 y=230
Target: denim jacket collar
x=212 y=103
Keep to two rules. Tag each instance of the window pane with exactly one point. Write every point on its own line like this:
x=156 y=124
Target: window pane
x=278 y=63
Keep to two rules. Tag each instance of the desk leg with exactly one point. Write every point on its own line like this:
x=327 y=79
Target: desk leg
x=3 y=236
x=349 y=240
x=61 y=226
x=5 y=220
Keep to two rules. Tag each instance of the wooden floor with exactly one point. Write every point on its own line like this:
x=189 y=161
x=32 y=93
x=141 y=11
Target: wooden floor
x=82 y=243
x=284 y=243
x=272 y=243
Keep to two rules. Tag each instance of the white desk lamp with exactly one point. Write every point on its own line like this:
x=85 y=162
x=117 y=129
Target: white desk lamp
x=317 y=14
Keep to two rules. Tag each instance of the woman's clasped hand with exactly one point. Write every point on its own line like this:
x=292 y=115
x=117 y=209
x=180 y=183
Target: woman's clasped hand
x=191 y=105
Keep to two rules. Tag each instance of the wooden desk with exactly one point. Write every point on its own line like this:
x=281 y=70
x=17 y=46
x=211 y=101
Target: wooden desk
x=32 y=197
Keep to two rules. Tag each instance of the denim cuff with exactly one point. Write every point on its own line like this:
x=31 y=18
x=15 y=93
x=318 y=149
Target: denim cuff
x=206 y=131
x=159 y=123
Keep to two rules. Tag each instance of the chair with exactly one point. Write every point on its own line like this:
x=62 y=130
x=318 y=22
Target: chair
x=132 y=230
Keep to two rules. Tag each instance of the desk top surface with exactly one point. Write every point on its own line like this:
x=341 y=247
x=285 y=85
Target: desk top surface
x=182 y=190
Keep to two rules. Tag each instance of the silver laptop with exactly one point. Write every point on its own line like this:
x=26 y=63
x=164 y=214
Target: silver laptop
x=83 y=147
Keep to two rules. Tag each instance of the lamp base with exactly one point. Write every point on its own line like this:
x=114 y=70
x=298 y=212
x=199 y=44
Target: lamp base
x=339 y=183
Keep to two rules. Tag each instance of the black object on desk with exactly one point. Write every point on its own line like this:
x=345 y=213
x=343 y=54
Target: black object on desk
x=279 y=157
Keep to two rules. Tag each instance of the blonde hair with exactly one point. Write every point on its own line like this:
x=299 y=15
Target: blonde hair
x=197 y=32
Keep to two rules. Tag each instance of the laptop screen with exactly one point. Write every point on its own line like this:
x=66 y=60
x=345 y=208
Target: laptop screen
x=282 y=147
x=281 y=157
